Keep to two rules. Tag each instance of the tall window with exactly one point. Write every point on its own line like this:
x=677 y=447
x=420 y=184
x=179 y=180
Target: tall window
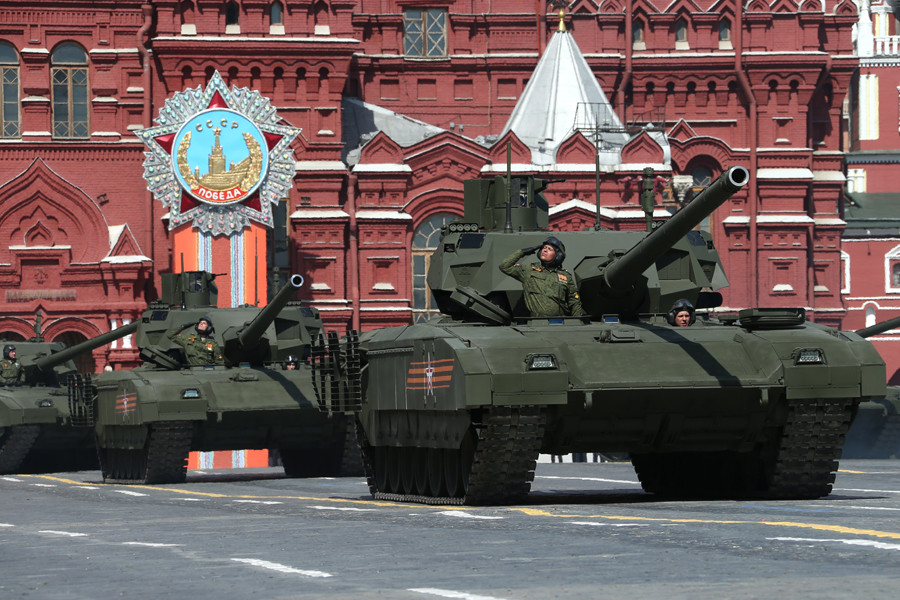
x=69 y=77
x=725 y=34
x=276 y=14
x=637 y=36
x=9 y=92
x=681 y=40
x=232 y=18
x=425 y=240
x=425 y=32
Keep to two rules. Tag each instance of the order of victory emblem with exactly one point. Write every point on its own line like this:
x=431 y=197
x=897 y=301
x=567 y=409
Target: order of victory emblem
x=219 y=158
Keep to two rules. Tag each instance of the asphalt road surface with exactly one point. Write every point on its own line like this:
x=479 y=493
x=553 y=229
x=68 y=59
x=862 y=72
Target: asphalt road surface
x=587 y=531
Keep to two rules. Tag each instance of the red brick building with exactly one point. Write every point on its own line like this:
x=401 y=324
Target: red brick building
x=399 y=101
x=871 y=241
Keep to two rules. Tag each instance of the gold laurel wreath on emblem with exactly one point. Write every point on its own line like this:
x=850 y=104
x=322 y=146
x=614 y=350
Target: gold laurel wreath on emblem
x=243 y=175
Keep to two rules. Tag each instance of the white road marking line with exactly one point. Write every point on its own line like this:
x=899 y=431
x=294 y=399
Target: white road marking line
x=346 y=508
x=129 y=493
x=450 y=594
x=857 y=507
x=850 y=542
x=151 y=544
x=843 y=489
x=608 y=524
x=11 y=479
x=6 y=525
x=465 y=515
x=87 y=487
x=43 y=485
x=588 y=479
x=259 y=501
x=66 y=533
x=280 y=568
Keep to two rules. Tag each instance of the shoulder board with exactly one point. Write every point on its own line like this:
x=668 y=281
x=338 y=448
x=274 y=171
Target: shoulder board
x=536 y=268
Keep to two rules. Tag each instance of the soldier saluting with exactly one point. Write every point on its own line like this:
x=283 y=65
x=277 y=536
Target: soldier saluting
x=11 y=370
x=550 y=290
x=200 y=348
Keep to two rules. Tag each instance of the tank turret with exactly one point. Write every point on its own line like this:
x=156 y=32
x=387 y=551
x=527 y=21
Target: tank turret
x=617 y=272
x=242 y=344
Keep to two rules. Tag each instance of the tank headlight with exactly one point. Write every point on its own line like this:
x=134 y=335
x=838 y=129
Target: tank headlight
x=809 y=356
x=190 y=394
x=45 y=404
x=539 y=362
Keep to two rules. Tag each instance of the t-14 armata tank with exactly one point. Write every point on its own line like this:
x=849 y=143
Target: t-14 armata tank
x=37 y=432
x=456 y=410
x=875 y=432
x=226 y=391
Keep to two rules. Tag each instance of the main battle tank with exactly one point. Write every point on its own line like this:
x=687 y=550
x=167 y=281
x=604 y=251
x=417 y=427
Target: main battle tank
x=875 y=432
x=456 y=410
x=37 y=432
x=146 y=420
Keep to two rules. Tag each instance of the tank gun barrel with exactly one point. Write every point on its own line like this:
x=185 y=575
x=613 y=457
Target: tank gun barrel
x=625 y=269
x=878 y=328
x=57 y=358
x=250 y=334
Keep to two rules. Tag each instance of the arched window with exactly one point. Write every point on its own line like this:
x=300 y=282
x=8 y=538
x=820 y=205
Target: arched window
x=232 y=18
x=276 y=18
x=725 y=34
x=69 y=78
x=637 y=36
x=681 y=39
x=9 y=92
x=276 y=14
x=425 y=240
x=870 y=316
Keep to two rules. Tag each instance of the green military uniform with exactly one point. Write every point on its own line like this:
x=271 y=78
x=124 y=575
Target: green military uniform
x=198 y=350
x=11 y=372
x=549 y=292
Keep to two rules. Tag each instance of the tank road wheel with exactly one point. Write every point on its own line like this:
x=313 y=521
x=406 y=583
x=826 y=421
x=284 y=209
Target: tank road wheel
x=435 y=461
x=15 y=443
x=420 y=464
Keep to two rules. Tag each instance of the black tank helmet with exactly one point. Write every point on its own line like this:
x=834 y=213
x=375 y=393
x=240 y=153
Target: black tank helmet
x=7 y=349
x=557 y=261
x=210 y=329
x=680 y=305
x=290 y=360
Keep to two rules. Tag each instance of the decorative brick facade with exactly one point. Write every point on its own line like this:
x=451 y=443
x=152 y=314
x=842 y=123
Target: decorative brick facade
x=759 y=84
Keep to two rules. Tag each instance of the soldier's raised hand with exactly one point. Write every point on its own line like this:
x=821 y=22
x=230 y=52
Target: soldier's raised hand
x=531 y=249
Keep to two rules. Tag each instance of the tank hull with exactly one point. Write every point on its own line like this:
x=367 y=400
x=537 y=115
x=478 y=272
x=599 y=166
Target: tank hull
x=657 y=392
x=876 y=429
x=147 y=420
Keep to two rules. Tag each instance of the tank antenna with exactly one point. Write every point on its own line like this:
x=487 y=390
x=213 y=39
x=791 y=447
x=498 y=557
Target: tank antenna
x=508 y=228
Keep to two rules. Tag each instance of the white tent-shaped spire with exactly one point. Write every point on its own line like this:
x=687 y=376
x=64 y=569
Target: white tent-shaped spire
x=545 y=115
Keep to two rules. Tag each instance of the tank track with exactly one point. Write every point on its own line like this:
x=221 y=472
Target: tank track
x=162 y=460
x=15 y=444
x=809 y=448
x=501 y=466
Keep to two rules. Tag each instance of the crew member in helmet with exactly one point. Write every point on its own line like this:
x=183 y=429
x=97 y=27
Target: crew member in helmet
x=11 y=370
x=290 y=363
x=200 y=347
x=550 y=290
x=681 y=314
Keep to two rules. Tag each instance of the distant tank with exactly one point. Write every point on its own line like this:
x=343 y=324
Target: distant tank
x=875 y=432
x=148 y=419
x=457 y=409
x=38 y=431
